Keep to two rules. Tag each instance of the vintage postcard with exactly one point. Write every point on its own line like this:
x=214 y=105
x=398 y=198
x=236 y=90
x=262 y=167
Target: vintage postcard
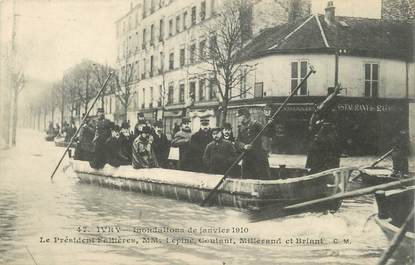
x=207 y=132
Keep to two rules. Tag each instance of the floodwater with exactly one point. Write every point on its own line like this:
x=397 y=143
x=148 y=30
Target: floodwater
x=86 y=224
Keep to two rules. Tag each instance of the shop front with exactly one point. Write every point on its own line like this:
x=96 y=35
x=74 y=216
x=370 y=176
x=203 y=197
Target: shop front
x=366 y=126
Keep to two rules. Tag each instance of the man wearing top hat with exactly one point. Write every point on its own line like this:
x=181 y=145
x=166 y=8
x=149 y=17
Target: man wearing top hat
x=219 y=154
x=255 y=162
x=161 y=144
x=102 y=133
x=182 y=140
x=198 y=143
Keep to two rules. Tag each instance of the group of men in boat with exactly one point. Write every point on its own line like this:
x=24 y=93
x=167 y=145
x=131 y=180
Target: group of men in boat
x=67 y=130
x=211 y=150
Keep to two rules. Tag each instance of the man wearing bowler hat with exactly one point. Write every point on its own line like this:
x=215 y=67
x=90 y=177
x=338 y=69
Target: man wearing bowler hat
x=255 y=162
x=198 y=143
x=182 y=140
x=219 y=154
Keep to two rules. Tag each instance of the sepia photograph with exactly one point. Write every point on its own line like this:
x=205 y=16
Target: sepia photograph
x=217 y=132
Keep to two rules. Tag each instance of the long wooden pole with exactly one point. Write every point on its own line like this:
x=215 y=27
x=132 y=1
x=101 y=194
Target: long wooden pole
x=355 y=193
x=80 y=125
x=239 y=158
x=381 y=158
x=397 y=239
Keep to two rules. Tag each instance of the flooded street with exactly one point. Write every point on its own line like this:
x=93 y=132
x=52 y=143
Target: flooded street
x=87 y=224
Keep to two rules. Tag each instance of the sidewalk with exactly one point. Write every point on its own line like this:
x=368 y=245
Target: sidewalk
x=298 y=161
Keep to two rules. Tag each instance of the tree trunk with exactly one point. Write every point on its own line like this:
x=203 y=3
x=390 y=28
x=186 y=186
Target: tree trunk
x=125 y=112
x=53 y=115
x=62 y=108
x=14 y=121
x=224 y=113
x=44 y=120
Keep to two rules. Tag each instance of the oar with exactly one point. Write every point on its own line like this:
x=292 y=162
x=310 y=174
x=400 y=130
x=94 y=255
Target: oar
x=355 y=193
x=381 y=158
x=80 y=125
x=397 y=239
x=271 y=120
x=372 y=165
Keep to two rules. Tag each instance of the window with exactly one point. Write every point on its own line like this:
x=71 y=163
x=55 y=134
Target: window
x=371 y=80
x=151 y=66
x=171 y=61
x=151 y=97
x=182 y=57
x=153 y=6
x=192 y=89
x=161 y=62
x=193 y=15
x=242 y=84
x=185 y=20
x=161 y=30
x=178 y=24
x=152 y=34
x=136 y=75
x=212 y=45
x=170 y=94
x=171 y=27
x=212 y=89
x=202 y=50
x=259 y=90
x=143 y=105
x=298 y=72
x=203 y=10
x=181 y=93
x=202 y=89
x=144 y=39
x=212 y=7
x=143 y=75
x=192 y=53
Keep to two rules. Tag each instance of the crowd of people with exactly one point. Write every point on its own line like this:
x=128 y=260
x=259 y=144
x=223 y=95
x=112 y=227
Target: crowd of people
x=211 y=150
x=67 y=131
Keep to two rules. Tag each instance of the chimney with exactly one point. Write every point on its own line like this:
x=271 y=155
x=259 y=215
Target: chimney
x=330 y=15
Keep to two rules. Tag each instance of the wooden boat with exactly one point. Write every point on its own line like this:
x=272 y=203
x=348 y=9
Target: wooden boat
x=366 y=177
x=49 y=137
x=393 y=208
x=244 y=194
x=60 y=142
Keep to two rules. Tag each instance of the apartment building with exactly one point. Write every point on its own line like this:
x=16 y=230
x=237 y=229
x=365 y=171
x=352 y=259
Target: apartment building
x=161 y=44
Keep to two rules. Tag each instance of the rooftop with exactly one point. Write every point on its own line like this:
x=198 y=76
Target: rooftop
x=348 y=35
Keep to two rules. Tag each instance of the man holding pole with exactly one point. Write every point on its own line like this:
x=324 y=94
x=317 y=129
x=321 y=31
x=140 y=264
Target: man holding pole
x=255 y=162
x=102 y=133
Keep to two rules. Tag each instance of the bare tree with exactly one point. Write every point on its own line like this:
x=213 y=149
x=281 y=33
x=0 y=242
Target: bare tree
x=227 y=33
x=18 y=83
x=124 y=80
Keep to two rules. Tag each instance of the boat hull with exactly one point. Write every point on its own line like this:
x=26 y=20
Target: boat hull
x=248 y=194
x=405 y=251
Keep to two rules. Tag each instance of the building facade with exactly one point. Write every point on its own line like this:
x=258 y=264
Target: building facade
x=371 y=58
x=160 y=44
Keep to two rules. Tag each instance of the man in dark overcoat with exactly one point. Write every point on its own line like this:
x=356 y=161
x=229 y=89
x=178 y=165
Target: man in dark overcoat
x=219 y=154
x=182 y=140
x=102 y=133
x=198 y=143
x=161 y=145
x=85 y=149
x=255 y=162
x=324 y=152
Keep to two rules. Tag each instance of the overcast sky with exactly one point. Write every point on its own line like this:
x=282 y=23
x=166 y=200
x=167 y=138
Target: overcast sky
x=53 y=35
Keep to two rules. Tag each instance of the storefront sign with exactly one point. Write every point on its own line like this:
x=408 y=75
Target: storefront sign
x=356 y=107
